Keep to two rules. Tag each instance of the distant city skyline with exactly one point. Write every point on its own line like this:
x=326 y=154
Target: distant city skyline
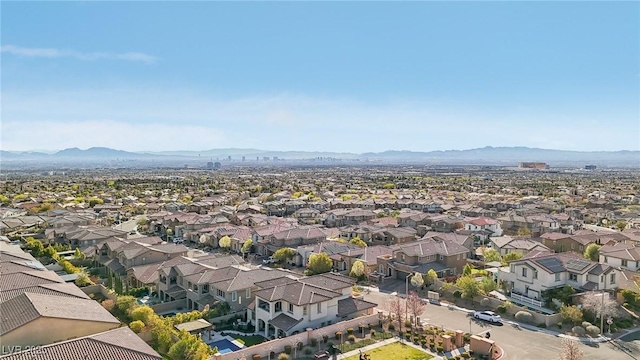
x=320 y=76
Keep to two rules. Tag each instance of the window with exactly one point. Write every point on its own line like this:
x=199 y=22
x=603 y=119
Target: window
x=624 y=262
x=234 y=296
x=557 y=277
x=290 y=308
x=248 y=293
x=535 y=274
x=304 y=310
x=613 y=278
x=205 y=288
x=601 y=278
x=441 y=257
x=524 y=272
x=220 y=293
x=319 y=308
x=606 y=259
x=278 y=306
x=172 y=280
x=573 y=277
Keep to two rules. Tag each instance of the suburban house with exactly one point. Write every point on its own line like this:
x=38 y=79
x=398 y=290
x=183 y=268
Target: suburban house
x=444 y=257
x=287 y=306
x=331 y=248
x=507 y=244
x=343 y=261
x=538 y=271
x=392 y=236
x=292 y=238
x=621 y=255
x=116 y=344
x=559 y=242
x=483 y=227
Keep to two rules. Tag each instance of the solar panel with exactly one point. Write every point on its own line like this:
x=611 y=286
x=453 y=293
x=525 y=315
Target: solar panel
x=577 y=264
x=553 y=264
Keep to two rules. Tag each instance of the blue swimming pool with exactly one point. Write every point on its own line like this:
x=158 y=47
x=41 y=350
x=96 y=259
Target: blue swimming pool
x=224 y=346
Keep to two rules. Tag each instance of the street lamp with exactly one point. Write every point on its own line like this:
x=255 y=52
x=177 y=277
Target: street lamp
x=406 y=296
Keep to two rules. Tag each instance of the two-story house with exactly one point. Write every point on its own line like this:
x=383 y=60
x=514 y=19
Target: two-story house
x=444 y=257
x=292 y=238
x=621 y=255
x=507 y=244
x=483 y=227
x=538 y=271
x=286 y=306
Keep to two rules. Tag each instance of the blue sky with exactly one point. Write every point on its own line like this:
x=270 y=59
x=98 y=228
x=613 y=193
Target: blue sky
x=334 y=76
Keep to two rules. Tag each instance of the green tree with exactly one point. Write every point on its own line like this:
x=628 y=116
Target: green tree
x=225 y=242
x=357 y=241
x=246 y=246
x=136 y=326
x=507 y=258
x=124 y=303
x=524 y=231
x=592 y=252
x=621 y=225
x=357 y=270
x=468 y=286
x=143 y=313
x=491 y=255
x=83 y=280
x=571 y=314
x=319 y=264
x=95 y=201
x=284 y=254
x=430 y=277
x=79 y=254
x=487 y=285
x=467 y=270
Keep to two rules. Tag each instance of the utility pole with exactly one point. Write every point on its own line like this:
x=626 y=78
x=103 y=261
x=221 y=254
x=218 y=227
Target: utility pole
x=406 y=296
x=602 y=313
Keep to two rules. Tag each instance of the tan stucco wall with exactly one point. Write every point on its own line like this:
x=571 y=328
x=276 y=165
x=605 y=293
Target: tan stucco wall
x=44 y=331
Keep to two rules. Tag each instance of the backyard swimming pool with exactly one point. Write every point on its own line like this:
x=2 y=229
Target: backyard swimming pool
x=224 y=346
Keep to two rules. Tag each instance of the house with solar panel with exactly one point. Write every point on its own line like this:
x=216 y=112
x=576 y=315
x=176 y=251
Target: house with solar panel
x=538 y=271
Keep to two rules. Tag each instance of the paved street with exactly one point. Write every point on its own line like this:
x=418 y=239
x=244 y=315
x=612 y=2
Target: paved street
x=517 y=343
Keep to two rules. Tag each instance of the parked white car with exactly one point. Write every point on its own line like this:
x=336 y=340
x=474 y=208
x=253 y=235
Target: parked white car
x=269 y=260
x=489 y=316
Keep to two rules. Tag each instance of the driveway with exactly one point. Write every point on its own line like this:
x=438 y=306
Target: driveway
x=517 y=343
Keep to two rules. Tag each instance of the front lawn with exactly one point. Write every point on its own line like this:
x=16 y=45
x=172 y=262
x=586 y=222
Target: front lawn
x=395 y=351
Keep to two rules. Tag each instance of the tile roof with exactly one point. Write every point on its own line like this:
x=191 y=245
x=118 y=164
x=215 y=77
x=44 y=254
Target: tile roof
x=27 y=307
x=26 y=279
x=116 y=344
x=55 y=289
x=351 y=305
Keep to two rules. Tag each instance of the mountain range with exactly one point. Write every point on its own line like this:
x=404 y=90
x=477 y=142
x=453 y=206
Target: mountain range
x=480 y=156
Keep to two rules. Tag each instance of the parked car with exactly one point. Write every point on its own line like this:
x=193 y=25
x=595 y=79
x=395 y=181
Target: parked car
x=178 y=240
x=269 y=260
x=489 y=316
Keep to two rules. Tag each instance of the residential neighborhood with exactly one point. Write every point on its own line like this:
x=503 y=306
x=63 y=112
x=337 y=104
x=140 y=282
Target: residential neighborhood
x=242 y=255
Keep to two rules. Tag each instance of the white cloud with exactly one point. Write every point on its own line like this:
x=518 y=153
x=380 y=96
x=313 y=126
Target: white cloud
x=87 y=56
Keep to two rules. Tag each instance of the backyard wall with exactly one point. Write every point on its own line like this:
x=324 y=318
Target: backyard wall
x=170 y=306
x=277 y=345
x=99 y=289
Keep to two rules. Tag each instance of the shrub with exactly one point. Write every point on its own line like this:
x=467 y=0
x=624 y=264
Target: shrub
x=559 y=324
x=283 y=356
x=287 y=349
x=407 y=324
x=338 y=335
x=350 y=331
x=624 y=323
x=593 y=330
x=136 y=326
x=586 y=324
x=325 y=338
x=457 y=294
x=307 y=350
x=439 y=348
x=578 y=330
x=314 y=342
x=372 y=332
x=352 y=338
x=392 y=327
x=542 y=325
x=109 y=305
x=501 y=309
x=299 y=345
x=524 y=316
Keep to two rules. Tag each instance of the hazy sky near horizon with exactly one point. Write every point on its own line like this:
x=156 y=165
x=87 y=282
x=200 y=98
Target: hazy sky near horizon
x=320 y=76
